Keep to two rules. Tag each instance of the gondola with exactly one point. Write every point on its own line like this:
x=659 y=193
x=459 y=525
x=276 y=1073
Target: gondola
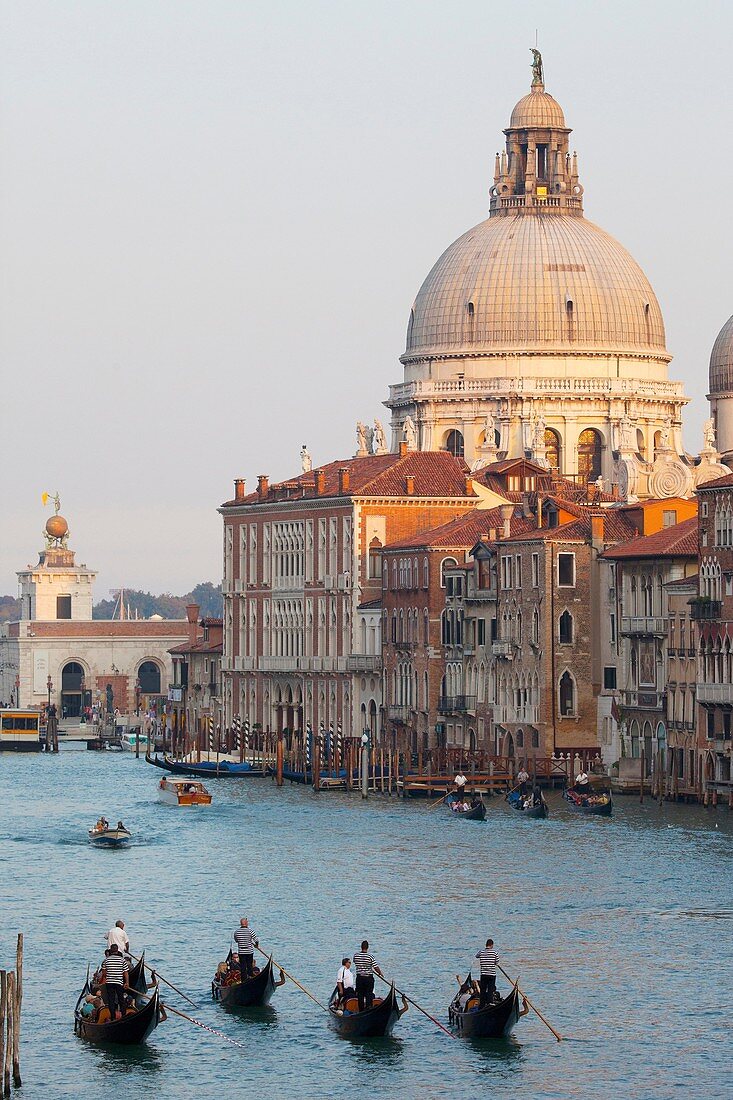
x=493 y=1021
x=208 y=769
x=535 y=810
x=372 y=1022
x=255 y=991
x=135 y=1026
x=594 y=799
x=473 y=813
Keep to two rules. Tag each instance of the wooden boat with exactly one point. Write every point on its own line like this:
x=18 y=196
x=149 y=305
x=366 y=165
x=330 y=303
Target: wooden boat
x=183 y=792
x=595 y=798
x=257 y=990
x=369 y=1024
x=224 y=768
x=142 y=1018
x=473 y=813
x=538 y=810
x=493 y=1021
x=109 y=837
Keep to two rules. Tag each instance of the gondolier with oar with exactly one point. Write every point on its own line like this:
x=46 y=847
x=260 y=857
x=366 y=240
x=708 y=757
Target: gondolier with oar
x=246 y=942
x=366 y=968
x=488 y=961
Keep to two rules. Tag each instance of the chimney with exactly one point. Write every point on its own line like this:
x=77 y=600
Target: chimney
x=320 y=483
x=263 y=486
x=469 y=487
x=239 y=487
x=344 y=479
x=539 y=512
x=596 y=528
x=403 y=448
x=492 y=534
x=409 y=485
x=526 y=510
x=192 y=614
x=507 y=511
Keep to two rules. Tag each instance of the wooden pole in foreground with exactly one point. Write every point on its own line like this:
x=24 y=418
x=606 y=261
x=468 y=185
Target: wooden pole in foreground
x=279 y=765
x=3 y=1007
x=534 y=1008
x=18 y=1003
x=9 y=1020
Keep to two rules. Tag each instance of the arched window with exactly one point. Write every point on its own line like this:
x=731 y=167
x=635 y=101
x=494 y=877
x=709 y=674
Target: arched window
x=565 y=628
x=552 y=449
x=590 y=449
x=520 y=739
x=425 y=573
x=454 y=443
x=447 y=563
x=566 y=695
x=535 y=739
x=149 y=676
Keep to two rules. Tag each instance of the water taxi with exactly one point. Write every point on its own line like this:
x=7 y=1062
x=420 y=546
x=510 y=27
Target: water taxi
x=183 y=792
x=105 y=836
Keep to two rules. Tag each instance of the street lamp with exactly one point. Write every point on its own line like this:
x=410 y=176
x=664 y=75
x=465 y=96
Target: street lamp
x=49 y=688
x=17 y=691
x=83 y=684
x=137 y=696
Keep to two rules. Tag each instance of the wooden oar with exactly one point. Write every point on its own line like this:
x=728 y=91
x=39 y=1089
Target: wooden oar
x=534 y=1008
x=293 y=980
x=441 y=799
x=191 y=1019
x=164 y=980
x=418 y=1007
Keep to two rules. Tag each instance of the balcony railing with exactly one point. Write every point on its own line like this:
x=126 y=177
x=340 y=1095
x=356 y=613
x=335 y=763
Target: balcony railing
x=643 y=700
x=457 y=704
x=715 y=694
x=529 y=714
x=363 y=662
x=502 y=649
x=643 y=624
x=704 y=610
x=398 y=713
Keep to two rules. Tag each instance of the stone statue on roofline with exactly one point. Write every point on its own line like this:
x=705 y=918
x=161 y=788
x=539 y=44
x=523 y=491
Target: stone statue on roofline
x=538 y=72
x=361 y=439
x=306 y=462
x=379 y=439
x=708 y=432
x=410 y=431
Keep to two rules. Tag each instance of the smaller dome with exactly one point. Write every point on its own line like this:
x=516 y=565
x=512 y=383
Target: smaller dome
x=56 y=527
x=721 y=360
x=538 y=109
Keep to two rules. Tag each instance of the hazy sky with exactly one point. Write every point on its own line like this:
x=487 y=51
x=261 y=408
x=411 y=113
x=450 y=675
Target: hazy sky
x=214 y=218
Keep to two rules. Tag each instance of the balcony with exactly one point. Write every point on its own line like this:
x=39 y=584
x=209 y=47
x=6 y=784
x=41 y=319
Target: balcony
x=398 y=714
x=519 y=715
x=640 y=625
x=643 y=700
x=502 y=649
x=705 y=610
x=212 y=688
x=715 y=694
x=457 y=704
x=363 y=662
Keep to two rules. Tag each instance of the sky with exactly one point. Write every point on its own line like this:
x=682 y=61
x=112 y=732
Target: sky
x=215 y=216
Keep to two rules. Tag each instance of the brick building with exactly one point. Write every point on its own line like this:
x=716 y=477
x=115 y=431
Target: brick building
x=196 y=688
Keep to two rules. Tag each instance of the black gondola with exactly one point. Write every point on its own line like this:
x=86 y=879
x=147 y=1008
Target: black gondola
x=536 y=809
x=591 y=798
x=135 y=1026
x=222 y=769
x=369 y=1024
x=257 y=990
x=475 y=812
x=493 y=1021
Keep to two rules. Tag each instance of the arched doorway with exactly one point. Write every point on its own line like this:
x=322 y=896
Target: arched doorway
x=72 y=687
x=149 y=676
x=590 y=449
x=552 y=449
x=454 y=443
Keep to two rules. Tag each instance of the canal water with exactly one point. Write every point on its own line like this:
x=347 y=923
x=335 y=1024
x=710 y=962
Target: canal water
x=619 y=929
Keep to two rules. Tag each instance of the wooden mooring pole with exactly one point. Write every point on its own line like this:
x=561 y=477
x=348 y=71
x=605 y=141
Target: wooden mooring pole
x=17 y=1010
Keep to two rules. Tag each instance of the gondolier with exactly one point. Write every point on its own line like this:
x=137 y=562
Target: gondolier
x=488 y=960
x=246 y=942
x=118 y=936
x=115 y=979
x=366 y=968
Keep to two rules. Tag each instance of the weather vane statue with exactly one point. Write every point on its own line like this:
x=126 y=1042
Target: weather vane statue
x=538 y=73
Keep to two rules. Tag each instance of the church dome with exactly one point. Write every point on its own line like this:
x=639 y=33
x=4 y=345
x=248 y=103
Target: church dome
x=537 y=109
x=721 y=360
x=537 y=283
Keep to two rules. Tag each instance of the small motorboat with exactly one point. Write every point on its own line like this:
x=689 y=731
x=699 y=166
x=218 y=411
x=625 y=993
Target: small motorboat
x=183 y=792
x=592 y=798
x=231 y=992
x=371 y=1022
x=493 y=1021
x=143 y=1015
x=105 y=836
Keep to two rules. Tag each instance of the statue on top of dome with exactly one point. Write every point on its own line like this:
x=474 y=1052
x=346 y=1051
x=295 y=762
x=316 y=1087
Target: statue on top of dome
x=538 y=72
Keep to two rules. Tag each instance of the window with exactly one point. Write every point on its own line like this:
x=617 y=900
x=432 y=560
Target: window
x=590 y=447
x=535 y=570
x=567 y=695
x=535 y=637
x=454 y=444
x=484 y=573
x=669 y=517
x=535 y=739
x=518 y=572
x=704 y=509
x=425 y=573
x=63 y=607
x=729 y=584
x=481 y=631
x=726 y=725
x=375 y=559
x=447 y=563
x=609 y=678
x=566 y=570
x=520 y=739
x=711 y=724
x=612 y=628
x=565 y=628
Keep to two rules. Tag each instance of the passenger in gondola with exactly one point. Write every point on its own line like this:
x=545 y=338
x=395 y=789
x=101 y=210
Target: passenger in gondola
x=366 y=968
x=345 y=985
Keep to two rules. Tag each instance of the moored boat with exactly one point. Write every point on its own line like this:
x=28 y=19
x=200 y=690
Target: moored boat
x=228 y=989
x=224 y=767
x=108 y=837
x=142 y=1017
x=493 y=1021
x=373 y=1022
x=183 y=792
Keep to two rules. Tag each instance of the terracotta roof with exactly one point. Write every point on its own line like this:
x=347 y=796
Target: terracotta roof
x=367 y=605
x=198 y=647
x=435 y=473
x=616 y=528
x=678 y=541
x=465 y=530
x=724 y=482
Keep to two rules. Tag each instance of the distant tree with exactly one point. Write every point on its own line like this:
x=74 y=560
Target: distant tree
x=9 y=609
x=145 y=604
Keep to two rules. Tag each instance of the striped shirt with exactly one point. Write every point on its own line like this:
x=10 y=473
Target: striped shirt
x=489 y=960
x=364 y=963
x=245 y=940
x=115 y=967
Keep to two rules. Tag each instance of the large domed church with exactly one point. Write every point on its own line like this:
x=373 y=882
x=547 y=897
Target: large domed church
x=536 y=334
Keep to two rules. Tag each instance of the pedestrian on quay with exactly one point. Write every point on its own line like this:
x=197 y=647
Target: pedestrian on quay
x=115 y=972
x=246 y=941
x=488 y=960
x=366 y=968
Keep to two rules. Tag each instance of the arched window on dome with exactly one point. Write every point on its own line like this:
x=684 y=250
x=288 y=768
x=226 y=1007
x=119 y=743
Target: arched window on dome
x=640 y=441
x=590 y=449
x=454 y=443
x=553 y=449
